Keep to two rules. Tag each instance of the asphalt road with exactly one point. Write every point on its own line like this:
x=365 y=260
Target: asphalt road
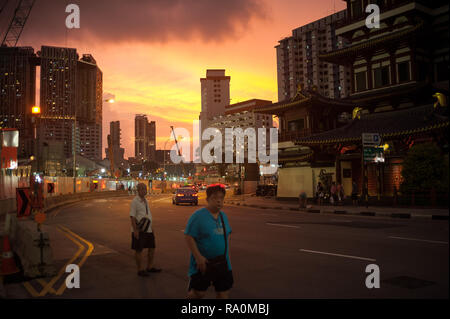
x=274 y=254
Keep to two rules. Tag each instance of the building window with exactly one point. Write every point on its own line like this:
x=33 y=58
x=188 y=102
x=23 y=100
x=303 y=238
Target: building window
x=403 y=71
x=360 y=81
x=381 y=76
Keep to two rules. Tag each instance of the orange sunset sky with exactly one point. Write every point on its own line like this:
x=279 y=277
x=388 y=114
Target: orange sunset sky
x=153 y=53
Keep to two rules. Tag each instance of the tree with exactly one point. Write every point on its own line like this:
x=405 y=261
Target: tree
x=424 y=168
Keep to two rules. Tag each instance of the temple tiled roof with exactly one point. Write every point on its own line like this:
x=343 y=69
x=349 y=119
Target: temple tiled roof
x=301 y=99
x=388 y=124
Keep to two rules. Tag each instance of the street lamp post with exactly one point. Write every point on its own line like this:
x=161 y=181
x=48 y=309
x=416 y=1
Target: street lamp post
x=74 y=151
x=164 y=158
x=164 y=166
x=36 y=111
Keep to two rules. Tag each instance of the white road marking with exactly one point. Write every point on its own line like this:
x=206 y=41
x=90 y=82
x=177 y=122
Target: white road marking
x=281 y=225
x=100 y=200
x=338 y=255
x=424 y=240
x=157 y=200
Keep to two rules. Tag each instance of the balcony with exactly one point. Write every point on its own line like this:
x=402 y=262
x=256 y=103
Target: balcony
x=285 y=136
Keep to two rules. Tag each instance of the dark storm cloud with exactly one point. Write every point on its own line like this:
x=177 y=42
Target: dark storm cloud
x=144 y=21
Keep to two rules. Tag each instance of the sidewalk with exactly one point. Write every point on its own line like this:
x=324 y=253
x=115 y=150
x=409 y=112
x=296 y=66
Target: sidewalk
x=250 y=200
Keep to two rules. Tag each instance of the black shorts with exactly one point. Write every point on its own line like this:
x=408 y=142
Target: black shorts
x=200 y=282
x=146 y=240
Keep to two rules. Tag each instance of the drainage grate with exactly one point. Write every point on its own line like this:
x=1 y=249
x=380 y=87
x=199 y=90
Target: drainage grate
x=408 y=282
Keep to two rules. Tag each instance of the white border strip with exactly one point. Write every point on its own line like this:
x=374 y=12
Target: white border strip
x=424 y=240
x=338 y=255
x=281 y=225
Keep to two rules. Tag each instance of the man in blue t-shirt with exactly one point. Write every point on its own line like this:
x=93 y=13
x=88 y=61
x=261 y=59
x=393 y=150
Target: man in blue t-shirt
x=210 y=261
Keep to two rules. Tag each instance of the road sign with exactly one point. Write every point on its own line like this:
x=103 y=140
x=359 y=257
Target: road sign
x=50 y=188
x=39 y=217
x=371 y=139
x=23 y=201
x=373 y=154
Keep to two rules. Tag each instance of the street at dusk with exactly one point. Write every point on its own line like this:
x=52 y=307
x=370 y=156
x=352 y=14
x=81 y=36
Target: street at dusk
x=268 y=152
x=265 y=253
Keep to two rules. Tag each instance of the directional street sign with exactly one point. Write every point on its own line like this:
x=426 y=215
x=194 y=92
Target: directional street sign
x=23 y=201
x=373 y=154
x=371 y=139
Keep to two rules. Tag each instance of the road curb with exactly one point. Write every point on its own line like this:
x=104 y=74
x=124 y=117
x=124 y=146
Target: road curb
x=439 y=217
x=345 y=212
x=47 y=209
x=366 y=213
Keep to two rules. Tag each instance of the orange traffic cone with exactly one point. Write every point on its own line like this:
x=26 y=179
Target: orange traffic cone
x=8 y=265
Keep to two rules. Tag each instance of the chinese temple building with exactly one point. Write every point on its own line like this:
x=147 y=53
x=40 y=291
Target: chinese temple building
x=399 y=89
x=306 y=114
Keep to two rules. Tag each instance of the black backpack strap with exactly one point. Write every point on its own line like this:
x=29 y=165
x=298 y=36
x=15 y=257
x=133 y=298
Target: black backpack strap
x=224 y=233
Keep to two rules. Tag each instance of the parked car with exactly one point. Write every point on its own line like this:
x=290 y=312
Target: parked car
x=186 y=195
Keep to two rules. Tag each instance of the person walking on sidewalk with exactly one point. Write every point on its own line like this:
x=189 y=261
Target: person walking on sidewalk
x=319 y=193
x=333 y=193
x=340 y=193
x=355 y=193
x=207 y=236
x=142 y=236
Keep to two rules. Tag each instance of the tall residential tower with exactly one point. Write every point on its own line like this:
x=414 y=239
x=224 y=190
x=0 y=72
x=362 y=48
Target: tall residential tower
x=298 y=63
x=145 y=138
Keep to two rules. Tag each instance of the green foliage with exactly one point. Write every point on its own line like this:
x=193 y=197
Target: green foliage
x=424 y=168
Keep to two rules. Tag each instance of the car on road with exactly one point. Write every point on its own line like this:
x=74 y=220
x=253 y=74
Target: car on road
x=185 y=195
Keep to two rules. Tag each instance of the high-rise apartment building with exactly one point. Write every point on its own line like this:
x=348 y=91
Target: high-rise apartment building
x=215 y=95
x=89 y=107
x=145 y=138
x=58 y=95
x=117 y=151
x=298 y=63
x=17 y=93
x=71 y=88
x=215 y=90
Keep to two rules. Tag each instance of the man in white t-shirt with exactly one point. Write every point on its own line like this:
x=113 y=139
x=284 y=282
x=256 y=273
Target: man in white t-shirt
x=139 y=209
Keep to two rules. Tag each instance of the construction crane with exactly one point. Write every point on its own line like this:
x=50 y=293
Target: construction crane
x=15 y=28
